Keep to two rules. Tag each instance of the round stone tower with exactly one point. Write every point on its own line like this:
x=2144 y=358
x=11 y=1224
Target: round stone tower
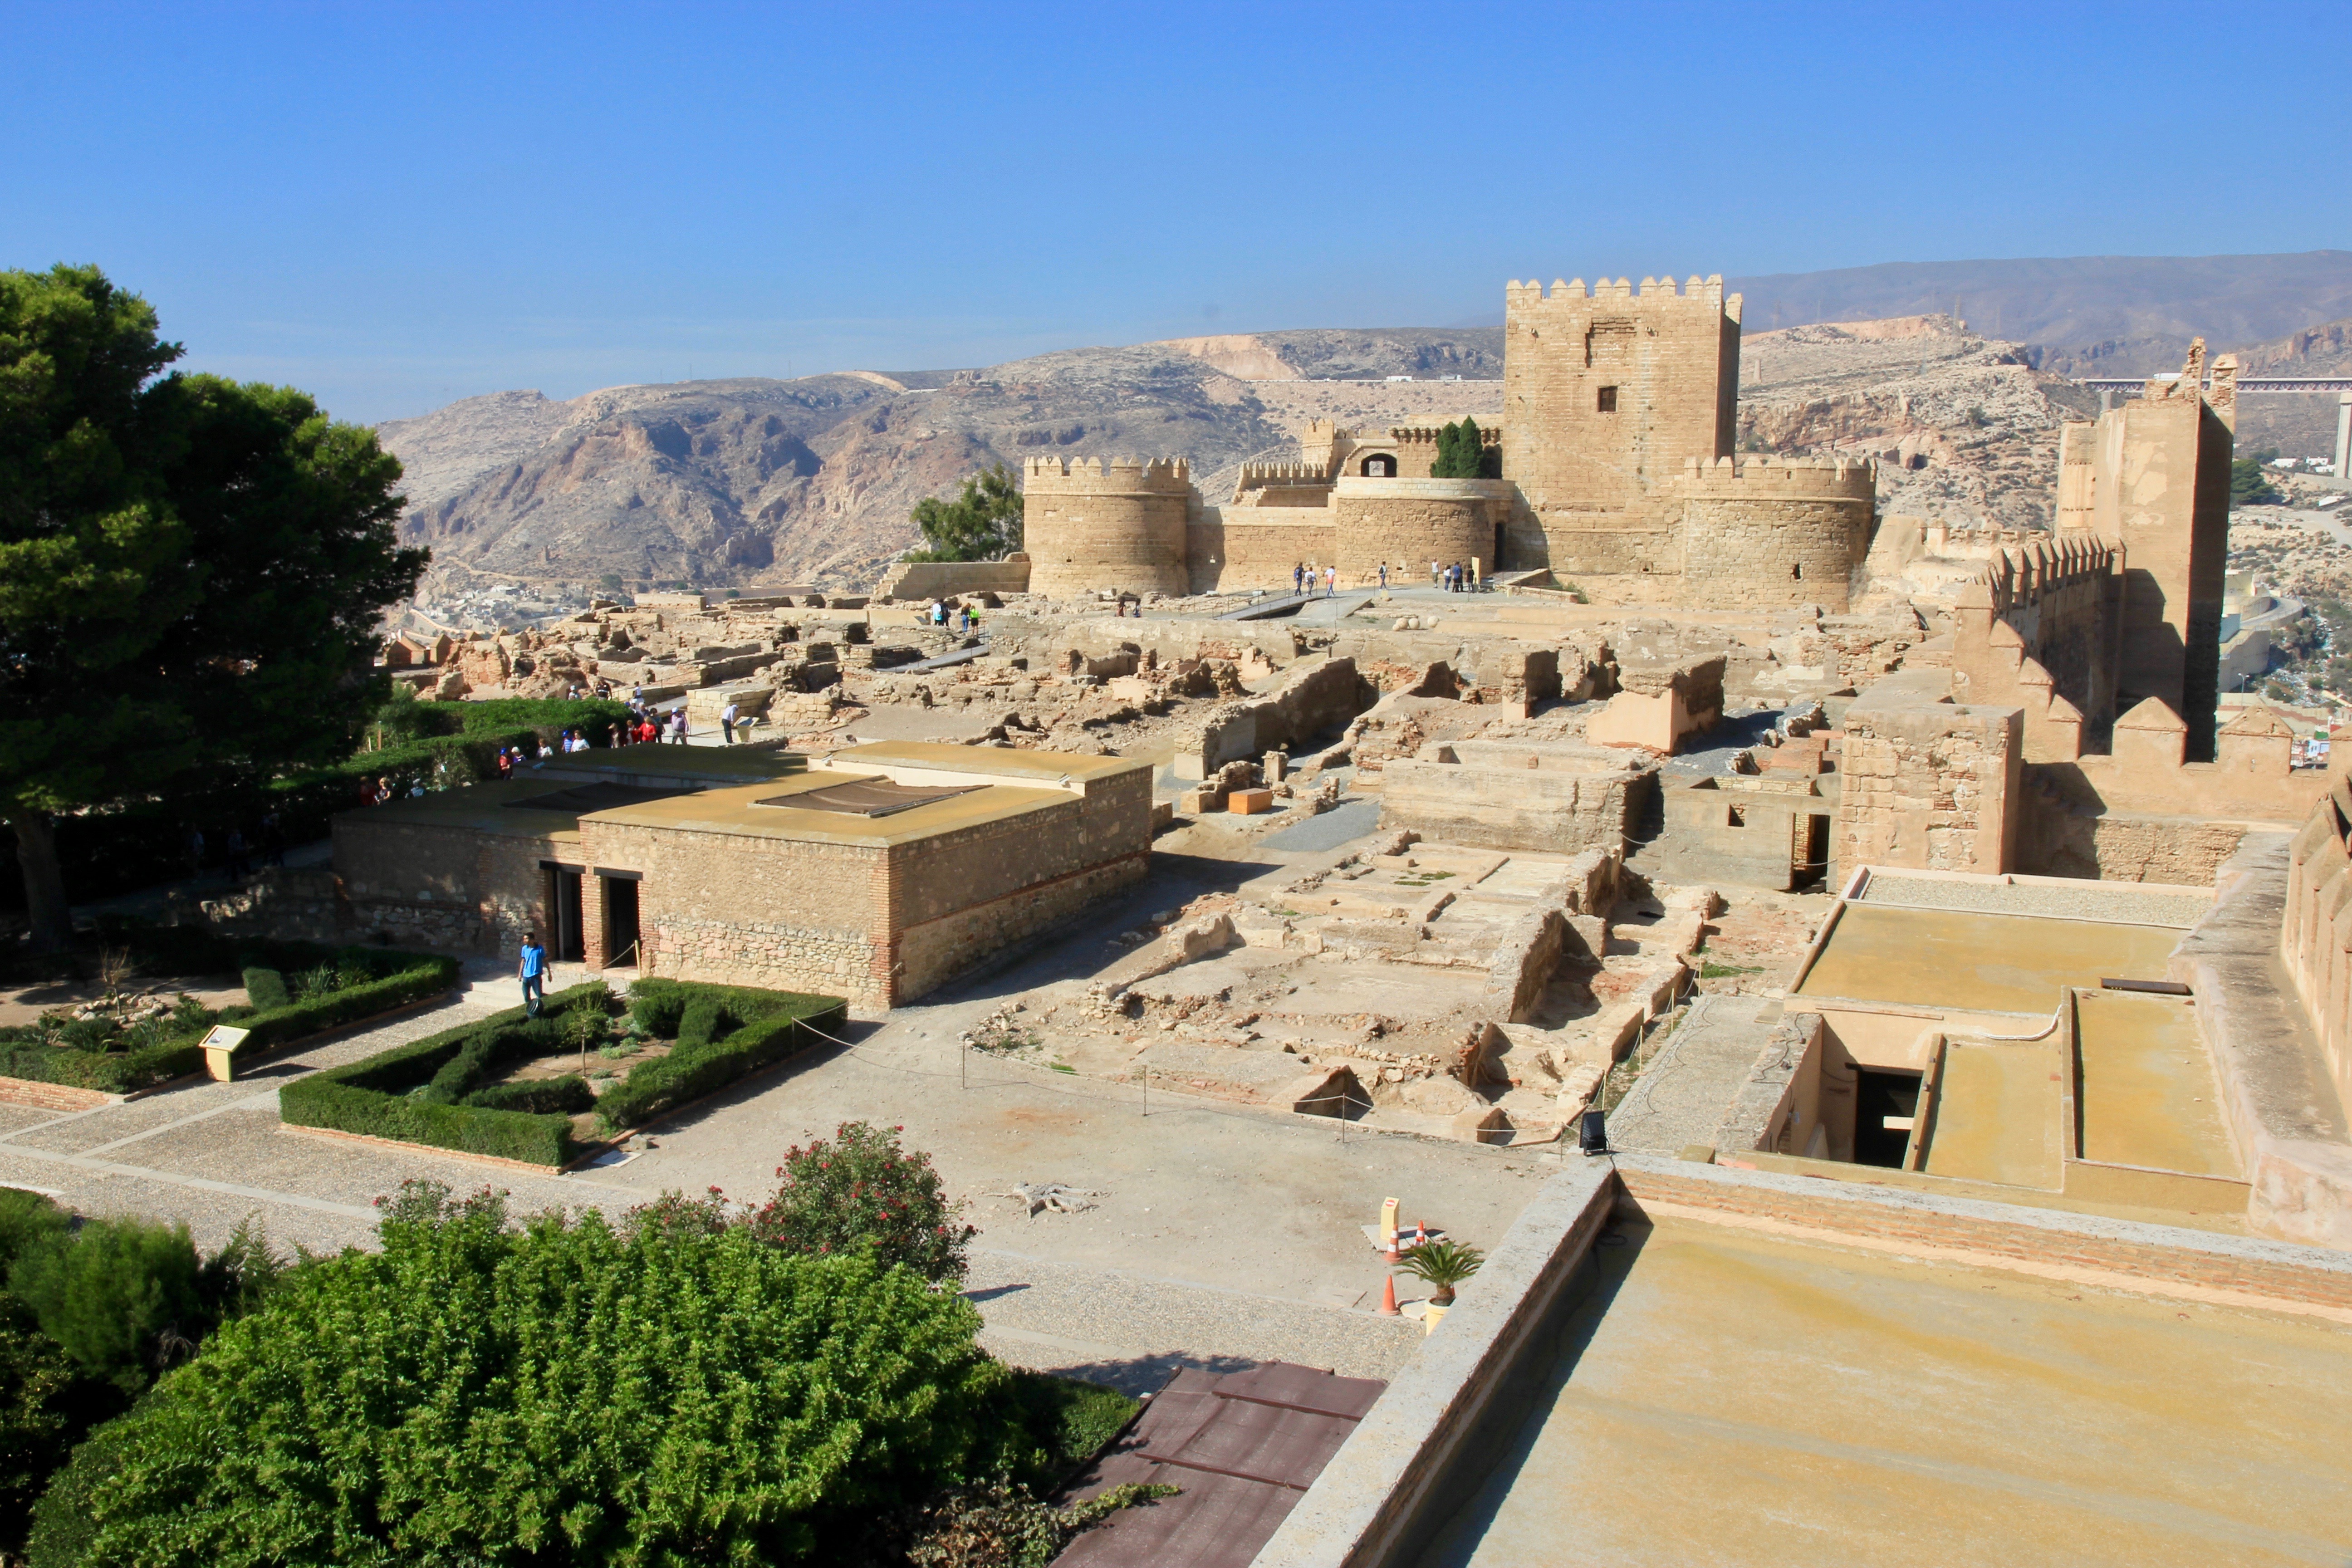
x=1411 y=522
x=1790 y=532
x=1090 y=525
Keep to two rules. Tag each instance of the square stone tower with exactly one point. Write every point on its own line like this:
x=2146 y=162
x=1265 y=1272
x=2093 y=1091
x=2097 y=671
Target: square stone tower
x=1607 y=395
x=2153 y=477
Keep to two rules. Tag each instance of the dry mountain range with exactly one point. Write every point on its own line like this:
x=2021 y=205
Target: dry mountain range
x=747 y=482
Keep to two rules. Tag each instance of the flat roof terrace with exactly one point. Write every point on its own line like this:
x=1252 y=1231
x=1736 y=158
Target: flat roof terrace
x=1728 y=1396
x=1973 y=960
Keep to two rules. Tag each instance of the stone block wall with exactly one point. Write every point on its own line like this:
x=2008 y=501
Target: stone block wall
x=1409 y=522
x=927 y=580
x=1237 y=548
x=1930 y=786
x=750 y=910
x=1608 y=391
x=1089 y=525
x=1767 y=532
x=1511 y=807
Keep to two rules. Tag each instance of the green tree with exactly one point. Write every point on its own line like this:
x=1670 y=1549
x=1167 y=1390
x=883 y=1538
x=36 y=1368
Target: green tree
x=2250 y=481
x=863 y=1192
x=1462 y=453
x=663 y=1393
x=1448 y=439
x=983 y=523
x=121 y=1296
x=190 y=570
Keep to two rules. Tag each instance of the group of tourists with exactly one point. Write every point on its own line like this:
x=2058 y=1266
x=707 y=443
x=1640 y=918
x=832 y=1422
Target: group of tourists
x=1454 y=577
x=961 y=617
x=1303 y=579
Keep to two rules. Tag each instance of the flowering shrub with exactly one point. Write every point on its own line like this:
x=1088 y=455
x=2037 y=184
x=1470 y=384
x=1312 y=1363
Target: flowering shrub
x=863 y=1192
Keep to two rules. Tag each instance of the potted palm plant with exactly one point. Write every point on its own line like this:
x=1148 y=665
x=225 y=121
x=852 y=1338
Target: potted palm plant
x=1441 y=1265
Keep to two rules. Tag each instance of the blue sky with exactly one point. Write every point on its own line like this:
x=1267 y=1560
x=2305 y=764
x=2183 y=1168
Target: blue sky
x=393 y=206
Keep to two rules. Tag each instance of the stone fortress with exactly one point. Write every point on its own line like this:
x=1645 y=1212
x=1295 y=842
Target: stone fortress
x=1621 y=408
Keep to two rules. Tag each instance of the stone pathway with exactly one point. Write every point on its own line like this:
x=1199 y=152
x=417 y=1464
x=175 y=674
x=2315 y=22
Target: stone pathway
x=1682 y=1097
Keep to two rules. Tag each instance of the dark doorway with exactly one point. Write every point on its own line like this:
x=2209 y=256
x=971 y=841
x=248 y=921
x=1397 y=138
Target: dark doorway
x=621 y=922
x=1379 y=468
x=1877 y=1097
x=1498 y=557
x=567 y=938
x=1813 y=867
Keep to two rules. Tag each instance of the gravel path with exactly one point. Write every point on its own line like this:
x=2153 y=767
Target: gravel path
x=1135 y=1331
x=2087 y=900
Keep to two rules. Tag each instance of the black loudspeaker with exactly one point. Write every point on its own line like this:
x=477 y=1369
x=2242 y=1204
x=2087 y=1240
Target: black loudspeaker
x=1593 y=1133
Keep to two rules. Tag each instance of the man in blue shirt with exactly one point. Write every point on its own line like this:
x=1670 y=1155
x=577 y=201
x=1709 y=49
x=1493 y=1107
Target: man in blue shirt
x=533 y=970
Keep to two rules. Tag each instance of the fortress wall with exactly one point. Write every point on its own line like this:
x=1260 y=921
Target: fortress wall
x=2039 y=629
x=1088 y=525
x=1775 y=533
x=1243 y=547
x=1606 y=394
x=1411 y=522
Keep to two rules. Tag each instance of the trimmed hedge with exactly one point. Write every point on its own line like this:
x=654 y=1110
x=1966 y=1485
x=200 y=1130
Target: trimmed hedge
x=767 y=1028
x=401 y=978
x=396 y=1094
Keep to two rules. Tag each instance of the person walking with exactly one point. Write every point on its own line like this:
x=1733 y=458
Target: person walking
x=1384 y=576
x=273 y=837
x=532 y=971
x=237 y=869
x=1330 y=582
x=727 y=722
x=678 y=724
x=1435 y=581
x=1297 y=577
x=196 y=852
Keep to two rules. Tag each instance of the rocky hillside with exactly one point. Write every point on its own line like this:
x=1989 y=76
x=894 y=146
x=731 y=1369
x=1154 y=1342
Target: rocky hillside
x=761 y=483
x=1964 y=429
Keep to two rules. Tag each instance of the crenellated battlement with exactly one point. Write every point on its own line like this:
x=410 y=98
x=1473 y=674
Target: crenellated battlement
x=1575 y=298
x=1763 y=477
x=1094 y=476
x=2024 y=567
x=1257 y=476
x=1426 y=435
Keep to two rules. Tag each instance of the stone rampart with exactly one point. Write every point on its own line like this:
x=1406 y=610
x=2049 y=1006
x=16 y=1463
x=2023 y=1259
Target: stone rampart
x=1090 y=525
x=945 y=579
x=1775 y=533
x=1409 y=522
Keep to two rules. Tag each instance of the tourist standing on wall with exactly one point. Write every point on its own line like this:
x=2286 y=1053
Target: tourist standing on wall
x=532 y=970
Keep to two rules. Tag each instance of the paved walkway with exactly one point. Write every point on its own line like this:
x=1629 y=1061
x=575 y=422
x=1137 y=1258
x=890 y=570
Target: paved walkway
x=1681 y=1099
x=1220 y=1234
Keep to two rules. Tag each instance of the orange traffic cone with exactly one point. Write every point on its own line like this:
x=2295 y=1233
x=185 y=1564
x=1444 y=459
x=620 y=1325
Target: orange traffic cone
x=1388 y=1298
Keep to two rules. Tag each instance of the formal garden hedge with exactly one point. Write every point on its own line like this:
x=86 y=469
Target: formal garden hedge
x=442 y=1090
x=304 y=989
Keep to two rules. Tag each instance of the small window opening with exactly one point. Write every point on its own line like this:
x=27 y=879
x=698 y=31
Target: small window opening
x=1797 y=570
x=1608 y=400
